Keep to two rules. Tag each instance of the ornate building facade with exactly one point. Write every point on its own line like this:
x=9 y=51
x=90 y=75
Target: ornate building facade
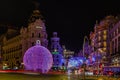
x=36 y=30
x=101 y=37
x=114 y=34
x=11 y=49
x=15 y=43
x=101 y=42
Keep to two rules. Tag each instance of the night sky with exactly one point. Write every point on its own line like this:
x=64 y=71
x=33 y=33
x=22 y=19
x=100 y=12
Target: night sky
x=72 y=19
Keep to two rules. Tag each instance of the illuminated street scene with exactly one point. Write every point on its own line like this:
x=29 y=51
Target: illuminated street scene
x=42 y=42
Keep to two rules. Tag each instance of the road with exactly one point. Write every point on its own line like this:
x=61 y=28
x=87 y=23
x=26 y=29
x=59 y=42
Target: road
x=18 y=76
x=21 y=76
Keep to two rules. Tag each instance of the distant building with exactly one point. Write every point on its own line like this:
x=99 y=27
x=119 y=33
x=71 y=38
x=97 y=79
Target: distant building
x=67 y=53
x=11 y=48
x=16 y=42
x=56 y=51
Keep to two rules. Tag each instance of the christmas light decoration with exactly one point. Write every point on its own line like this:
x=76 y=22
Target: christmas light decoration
x=38 y=58
x=55 y=52
x=75 y=61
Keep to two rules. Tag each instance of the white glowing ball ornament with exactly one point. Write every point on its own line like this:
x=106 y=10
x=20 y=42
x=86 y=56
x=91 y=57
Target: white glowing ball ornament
x=38 y=58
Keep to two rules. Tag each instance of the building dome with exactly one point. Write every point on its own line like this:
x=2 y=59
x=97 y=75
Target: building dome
x=38 y=58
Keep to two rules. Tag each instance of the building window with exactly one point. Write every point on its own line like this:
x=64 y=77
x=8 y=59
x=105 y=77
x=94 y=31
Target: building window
x=115 y=45
x=39 y=35
x=99 y=44
x=20 y=46
x=104 y=32
x=118 y=30
x=99 y=38
x=32 y=34
x=104 y=49
x=112 y=46
x=119 y=43
x=104 y=37
x=114 y=33
x=104 y=44
x=32 y=43
x=99 y=33
x=111 y=36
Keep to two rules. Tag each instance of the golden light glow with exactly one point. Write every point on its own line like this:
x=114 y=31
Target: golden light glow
x=104 y=37
x=100 y=79
x=104 y=49
x=104 y=44
x=104 y=32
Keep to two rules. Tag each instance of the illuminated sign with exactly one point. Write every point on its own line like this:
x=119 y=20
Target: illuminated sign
x=38 y=27
x=55 y=52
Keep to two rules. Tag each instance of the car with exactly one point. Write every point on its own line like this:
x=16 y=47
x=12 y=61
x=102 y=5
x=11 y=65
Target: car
x=89 y=73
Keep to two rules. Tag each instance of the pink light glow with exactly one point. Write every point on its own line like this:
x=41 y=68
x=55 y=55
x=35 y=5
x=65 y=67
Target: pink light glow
x=38 y=58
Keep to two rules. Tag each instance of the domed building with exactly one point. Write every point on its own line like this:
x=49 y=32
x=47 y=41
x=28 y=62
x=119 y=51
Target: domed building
x=38 y=58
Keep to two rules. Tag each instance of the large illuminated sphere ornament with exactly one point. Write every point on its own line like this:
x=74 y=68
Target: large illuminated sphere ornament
x=38 y=58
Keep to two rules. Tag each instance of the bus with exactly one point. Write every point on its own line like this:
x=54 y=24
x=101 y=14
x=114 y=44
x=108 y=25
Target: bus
x=111 y=70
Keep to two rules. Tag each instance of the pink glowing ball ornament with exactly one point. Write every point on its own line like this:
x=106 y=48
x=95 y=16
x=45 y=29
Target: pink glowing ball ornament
x=38 y=58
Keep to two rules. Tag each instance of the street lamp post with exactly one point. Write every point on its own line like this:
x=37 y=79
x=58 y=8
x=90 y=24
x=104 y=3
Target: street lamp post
x=84 y=64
